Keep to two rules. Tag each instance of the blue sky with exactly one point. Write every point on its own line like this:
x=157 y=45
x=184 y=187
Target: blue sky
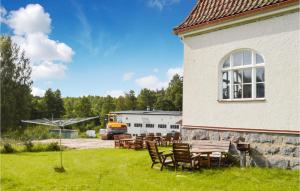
x=98 y=47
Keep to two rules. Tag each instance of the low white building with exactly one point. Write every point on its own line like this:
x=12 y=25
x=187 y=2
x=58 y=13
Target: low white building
x=150 y=121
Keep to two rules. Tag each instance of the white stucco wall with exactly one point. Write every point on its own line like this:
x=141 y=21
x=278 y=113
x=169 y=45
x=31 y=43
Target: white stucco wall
x=277 y=39
x=150 y=119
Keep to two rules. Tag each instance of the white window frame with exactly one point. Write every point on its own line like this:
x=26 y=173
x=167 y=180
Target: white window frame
x=230 y=70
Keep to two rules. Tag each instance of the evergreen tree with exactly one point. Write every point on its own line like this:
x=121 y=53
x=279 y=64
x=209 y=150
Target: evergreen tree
x=174 y=91
x=147 y=98
x=15 y=84
x=130 y=100
x=85 y=107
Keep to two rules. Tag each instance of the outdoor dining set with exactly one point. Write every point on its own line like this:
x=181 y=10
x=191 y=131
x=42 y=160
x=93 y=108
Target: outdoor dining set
x=139 y=142
x=186 y=154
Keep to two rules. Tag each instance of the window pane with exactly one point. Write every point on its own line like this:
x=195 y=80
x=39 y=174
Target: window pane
x=237 y=91
x=247 y=58
x=247 y=91
x=237 y=58
x=237 y=76
x=226 y=63
x=247 y=76
x=260 y=90
x=260 y=74
x=226 y=85
x=259 y=59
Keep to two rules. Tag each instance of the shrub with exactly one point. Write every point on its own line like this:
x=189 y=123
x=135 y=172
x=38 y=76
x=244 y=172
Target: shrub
x=7 y=148
x=28 y=146
x=53 y=146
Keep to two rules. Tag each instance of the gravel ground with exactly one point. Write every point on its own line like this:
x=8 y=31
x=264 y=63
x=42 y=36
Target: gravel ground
x=82 y=143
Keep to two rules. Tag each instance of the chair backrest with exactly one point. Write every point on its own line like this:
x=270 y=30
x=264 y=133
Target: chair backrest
x=182 y=152
x=116 y=137
x=143 y=134
x=168 y=137
x=139 y=140
x=126 y=136
x=176 y=136
x=153 y=151
x=151 y=134
x=149 y=138
x=158 y=134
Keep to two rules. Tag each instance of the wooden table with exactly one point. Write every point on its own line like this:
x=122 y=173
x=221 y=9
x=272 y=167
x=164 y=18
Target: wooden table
x=124 y=142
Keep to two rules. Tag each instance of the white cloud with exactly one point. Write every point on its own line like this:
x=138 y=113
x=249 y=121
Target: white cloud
x=31 y=26
x=151 y=82
x=37 y=91
x=39 y=47
x=172 y=71
x=115 y=93
x=161 y=4
x=128 y=76
x=30 y=19
x=47 y=70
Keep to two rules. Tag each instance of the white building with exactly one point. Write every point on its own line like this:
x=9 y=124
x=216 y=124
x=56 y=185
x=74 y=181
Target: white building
x=150 y=121
x=242 y=75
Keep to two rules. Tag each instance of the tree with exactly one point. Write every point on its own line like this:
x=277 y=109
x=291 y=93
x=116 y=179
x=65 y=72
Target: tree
x=174 y=91
x=85 y=107
x=15 y=84
x=147 y=98
x=130 y=100
x=120 y=103
x=162 y=103
x=54 y=103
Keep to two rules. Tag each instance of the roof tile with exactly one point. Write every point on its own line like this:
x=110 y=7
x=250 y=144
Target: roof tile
x=209 y=11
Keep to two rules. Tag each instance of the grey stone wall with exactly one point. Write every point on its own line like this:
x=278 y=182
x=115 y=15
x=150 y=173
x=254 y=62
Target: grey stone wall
x=267 y=149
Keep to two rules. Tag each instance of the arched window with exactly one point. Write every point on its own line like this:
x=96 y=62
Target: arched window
x=242 y=76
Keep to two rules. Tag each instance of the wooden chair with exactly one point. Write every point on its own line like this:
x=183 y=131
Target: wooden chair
x=182 y=155
x=117 y=140
x=176 y=138
x=137 y=144
x=159 y=157
x=167 y=139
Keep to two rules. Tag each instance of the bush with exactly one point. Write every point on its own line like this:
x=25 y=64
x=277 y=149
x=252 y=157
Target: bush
x=53 y=146
x=7 y=148
x=28 y=146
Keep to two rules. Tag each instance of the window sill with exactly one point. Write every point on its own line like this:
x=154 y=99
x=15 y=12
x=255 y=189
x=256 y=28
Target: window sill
x=242 y=100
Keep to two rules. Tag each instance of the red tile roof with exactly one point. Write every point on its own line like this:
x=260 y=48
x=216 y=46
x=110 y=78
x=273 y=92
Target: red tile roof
x=215 y=11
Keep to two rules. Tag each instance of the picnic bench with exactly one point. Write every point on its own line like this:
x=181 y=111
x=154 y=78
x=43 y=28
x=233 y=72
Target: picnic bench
x=210 y=149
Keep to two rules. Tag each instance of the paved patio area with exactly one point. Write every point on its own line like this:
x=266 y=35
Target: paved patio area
x=82 y=143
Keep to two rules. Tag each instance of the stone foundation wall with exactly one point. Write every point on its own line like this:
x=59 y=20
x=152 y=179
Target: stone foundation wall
x=267 y=149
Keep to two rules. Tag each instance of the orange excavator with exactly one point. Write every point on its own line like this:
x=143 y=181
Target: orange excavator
x=114 y=126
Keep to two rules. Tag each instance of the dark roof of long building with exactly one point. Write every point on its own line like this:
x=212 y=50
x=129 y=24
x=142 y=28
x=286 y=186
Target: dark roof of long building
x=207 y=12
x=143 y=112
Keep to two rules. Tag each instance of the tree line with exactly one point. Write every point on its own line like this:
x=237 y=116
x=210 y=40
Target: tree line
x=17 y=103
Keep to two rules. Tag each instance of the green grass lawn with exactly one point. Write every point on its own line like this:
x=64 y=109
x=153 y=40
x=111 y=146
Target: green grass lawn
x=120 y=169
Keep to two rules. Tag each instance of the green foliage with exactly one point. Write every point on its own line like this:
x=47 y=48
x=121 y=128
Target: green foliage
x=54 y=104
x=53 y=146
x=130 y=100
x=174 y=92
x=85 y=107
x=7 y=148
x=147 y=98
x=28 y=146
x=129 y=170
x=15 y=85
x=36 y=132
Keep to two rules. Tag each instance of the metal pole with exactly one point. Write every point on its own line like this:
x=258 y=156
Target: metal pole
x=61 y=166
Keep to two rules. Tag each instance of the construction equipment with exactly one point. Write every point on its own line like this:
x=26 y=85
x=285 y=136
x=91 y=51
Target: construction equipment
x=114 y=126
